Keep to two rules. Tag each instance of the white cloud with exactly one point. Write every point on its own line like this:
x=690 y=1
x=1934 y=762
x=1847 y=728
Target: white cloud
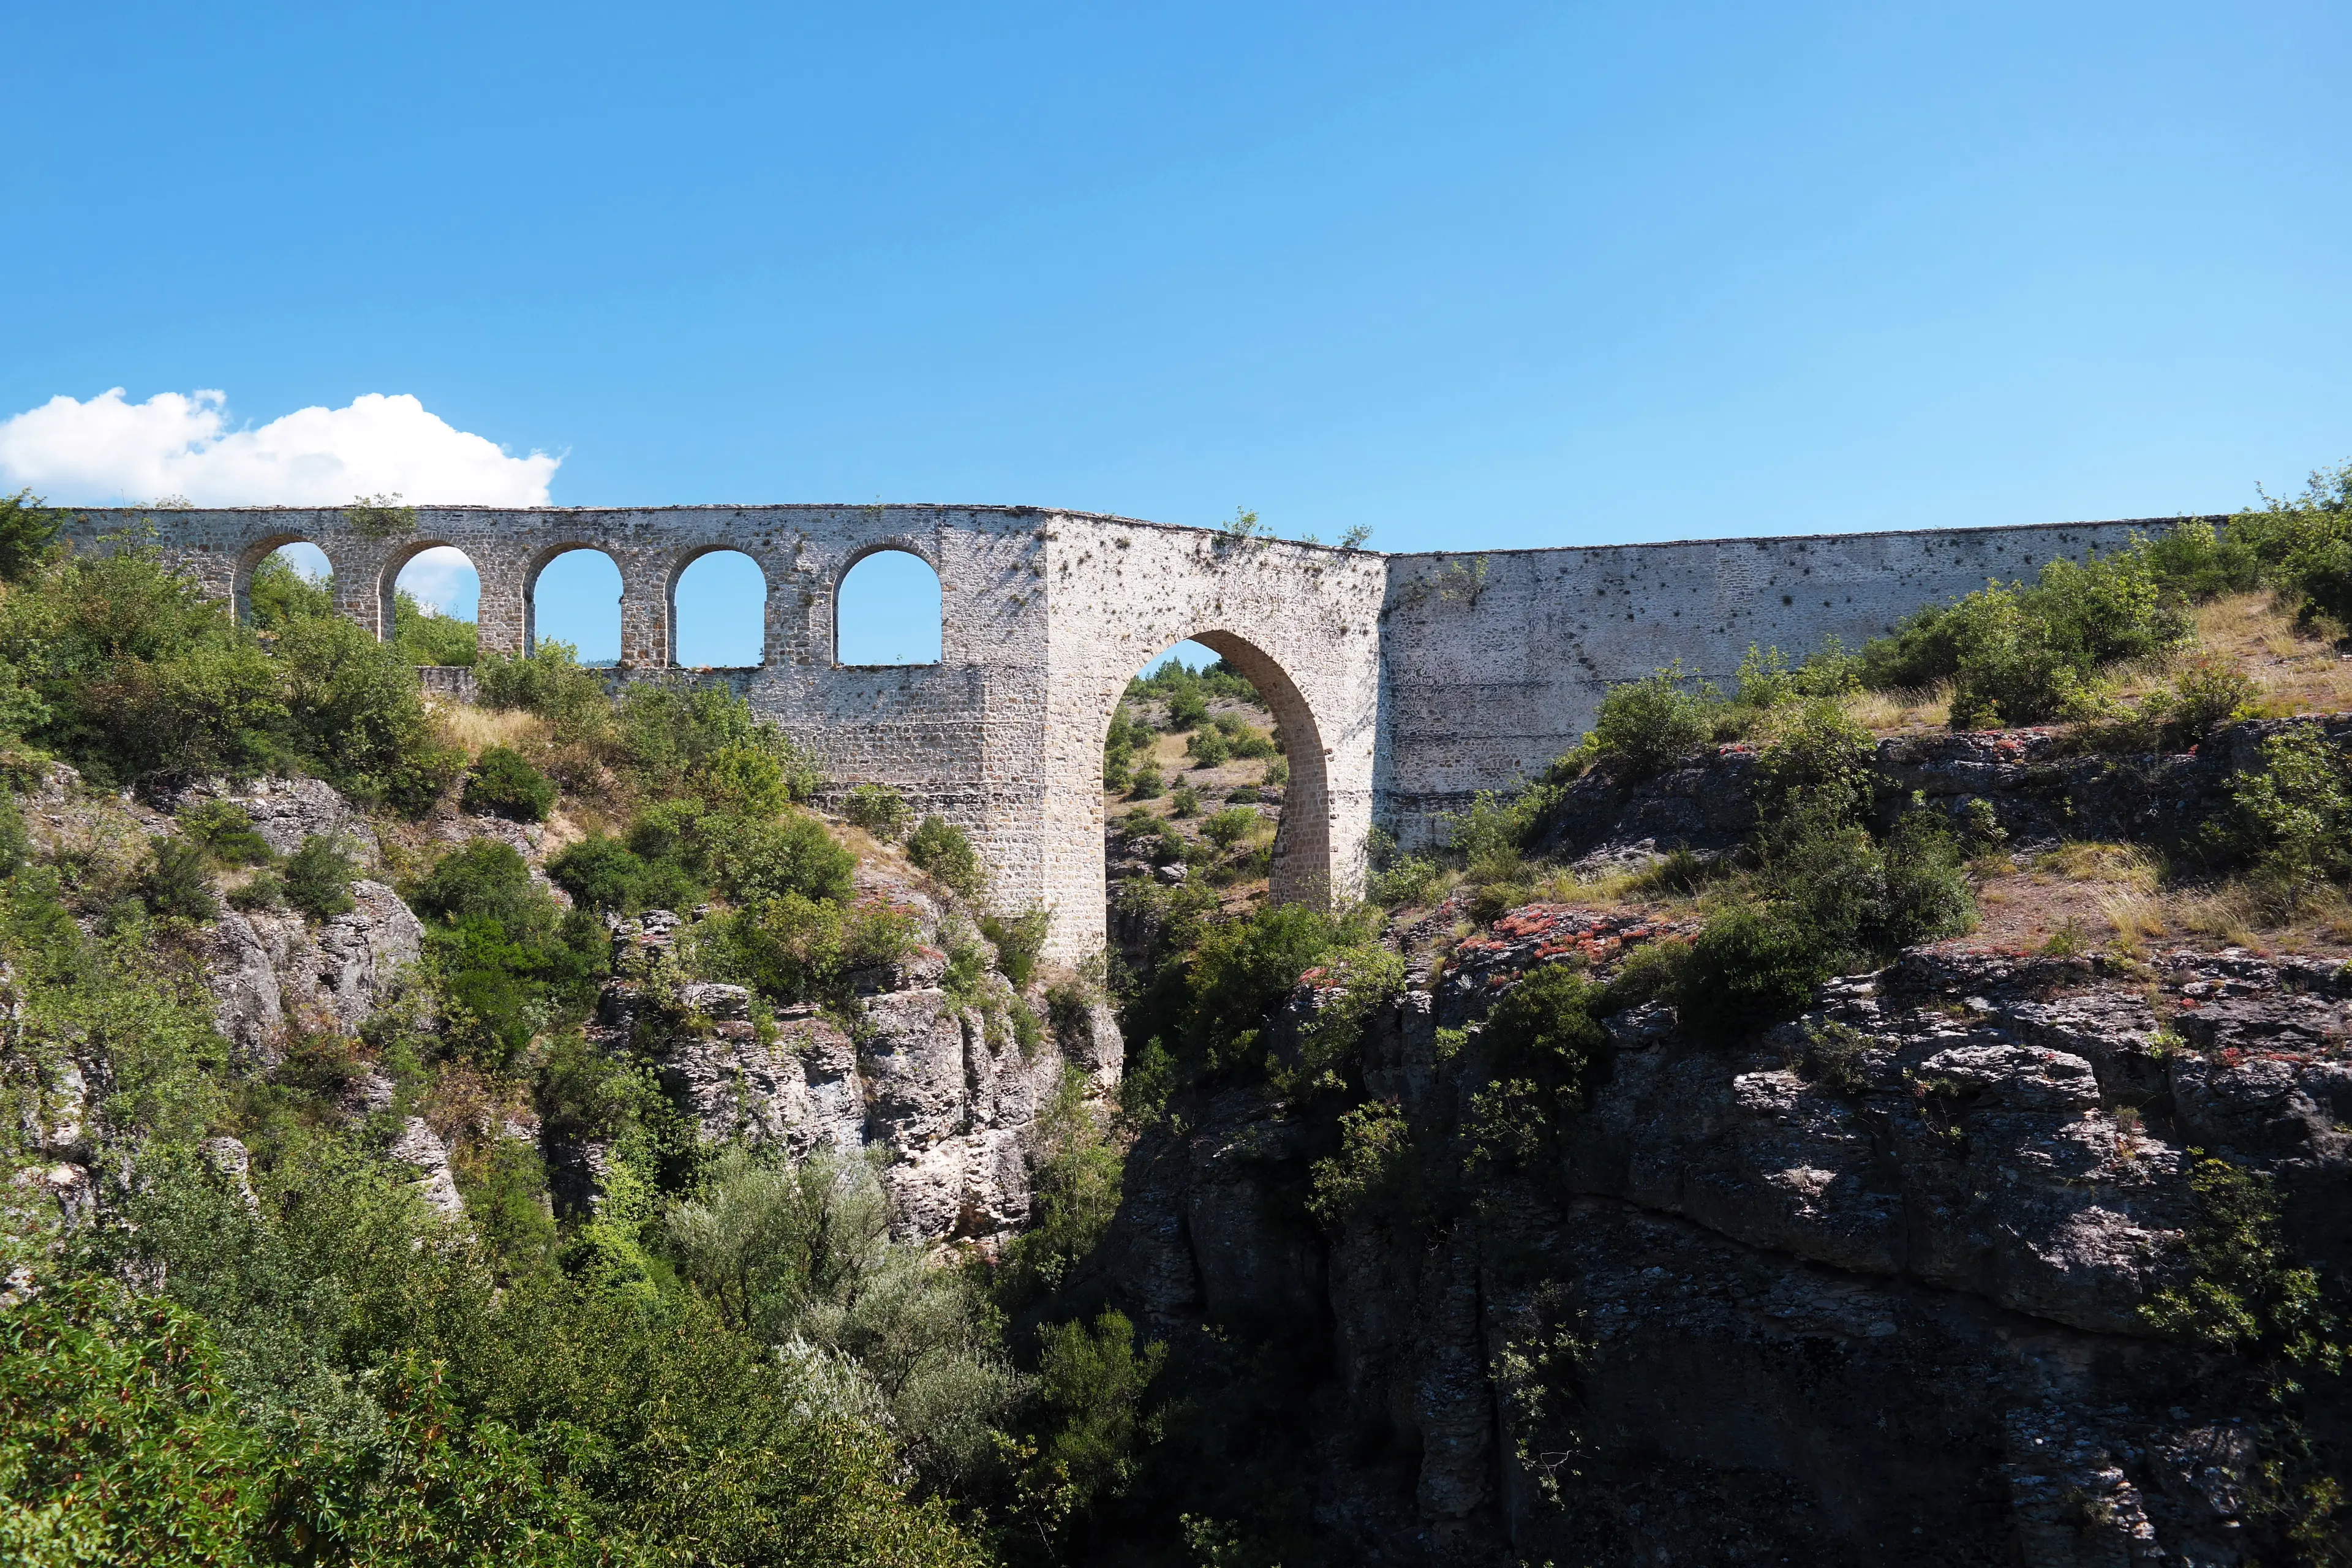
x=106 y=449
x=444 y=579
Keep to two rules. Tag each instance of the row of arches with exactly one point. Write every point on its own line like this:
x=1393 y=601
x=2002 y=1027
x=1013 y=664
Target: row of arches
x=887 y=609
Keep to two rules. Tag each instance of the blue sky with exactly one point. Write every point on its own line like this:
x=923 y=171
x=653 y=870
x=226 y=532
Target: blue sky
x=1472 y=274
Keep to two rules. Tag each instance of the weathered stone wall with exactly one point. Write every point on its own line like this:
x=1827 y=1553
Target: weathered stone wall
x=1493 y=665
x=1401 y=685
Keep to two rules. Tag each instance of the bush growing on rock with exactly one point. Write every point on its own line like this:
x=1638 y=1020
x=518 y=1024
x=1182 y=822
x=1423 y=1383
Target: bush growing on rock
x=1230 y=826
x=1542 y=1047
x=1018 y=942
x=763 y=858
x=548 y=681
x=601 y=873
x=1645 y=727
x=941 y=849
x=2019 y=655
x=878 y=808
x=175 y=884
x=506 y=959
x=226 y=831
x=2292 y=818
x=318 y=878
x=1208 y=748
x=502 y=780
x=1145 y=782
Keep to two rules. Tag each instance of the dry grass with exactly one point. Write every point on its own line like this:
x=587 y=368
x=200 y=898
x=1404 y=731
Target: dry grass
x=1884 y=712
x=2087 y=861
x=2297 y=671
x=2227 y=914
x=476 y=729
x=2137 y=916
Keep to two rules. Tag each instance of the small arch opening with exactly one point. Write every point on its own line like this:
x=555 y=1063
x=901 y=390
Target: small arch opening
x=292 y=581
x=575 y=599
x=886 y=611
x=435 y=606
x=719 y=612
x=1196 y=776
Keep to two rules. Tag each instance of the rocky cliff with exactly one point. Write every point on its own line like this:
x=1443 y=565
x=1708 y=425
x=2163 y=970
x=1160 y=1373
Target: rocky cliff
x=1874 y=1287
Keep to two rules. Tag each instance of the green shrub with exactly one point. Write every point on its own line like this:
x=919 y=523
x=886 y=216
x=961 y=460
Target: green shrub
x=1208 y=748
x=1277 y=772
x=878 y=808
x=1186 y=710
x=1748 y=967
x=1542 y=1048
x=266 y=891
x=2019 y=655
x=2245 y=1295
x=1073 y=1192
x=549 y=681
x=1184 y=800
x=2292 y=818
x=1645 y=727
x=1230 y=826
x=175 y=883
x=1091 y=1383
x=674 y=730
x=27 y=533
x=764 y=857
x=749 y=779
x=601 y=873
x=793 y=949
x=226 y=831
x=1018 y=942
x=318 y=879
x=941 y=849
x=1407 y=880
x=359 y=715
x=482 y=877
x=502 y=780
x=1145 y=783
x=506 y=961
x=1818 y=760
x=424 y=636
x=1376 y=1179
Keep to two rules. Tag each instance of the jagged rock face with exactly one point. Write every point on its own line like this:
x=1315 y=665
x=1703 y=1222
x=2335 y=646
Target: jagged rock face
x=1888 y=1312
x=943 y=1091
x=285 y=812
x=269 y=971
x=421 y=1148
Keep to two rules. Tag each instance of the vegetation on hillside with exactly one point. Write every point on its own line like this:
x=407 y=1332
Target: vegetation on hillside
x=726 y=1360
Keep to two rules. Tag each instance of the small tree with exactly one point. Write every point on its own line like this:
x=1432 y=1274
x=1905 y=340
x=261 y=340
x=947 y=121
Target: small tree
x=1230 y=826
x=941 y=847
x=175 y=885
x=318 y=879
x=504 y=782
x=878 y=808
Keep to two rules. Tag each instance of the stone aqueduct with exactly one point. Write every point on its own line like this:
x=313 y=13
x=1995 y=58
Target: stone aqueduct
x=1402 y=684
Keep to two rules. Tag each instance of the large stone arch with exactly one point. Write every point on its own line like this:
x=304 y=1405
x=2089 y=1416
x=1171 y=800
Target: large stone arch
x=674 y=571
x=925 y=550
x=540 y=560
x=395 y=561
x=1300 y=623
x=248 y=561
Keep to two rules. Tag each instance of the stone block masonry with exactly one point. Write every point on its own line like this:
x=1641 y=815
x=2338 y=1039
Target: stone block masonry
x=1401 y=685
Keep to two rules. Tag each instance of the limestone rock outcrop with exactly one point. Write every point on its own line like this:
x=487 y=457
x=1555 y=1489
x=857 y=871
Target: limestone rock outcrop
x=940 y=1088
x=269 y=971
x=1868 y=1290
